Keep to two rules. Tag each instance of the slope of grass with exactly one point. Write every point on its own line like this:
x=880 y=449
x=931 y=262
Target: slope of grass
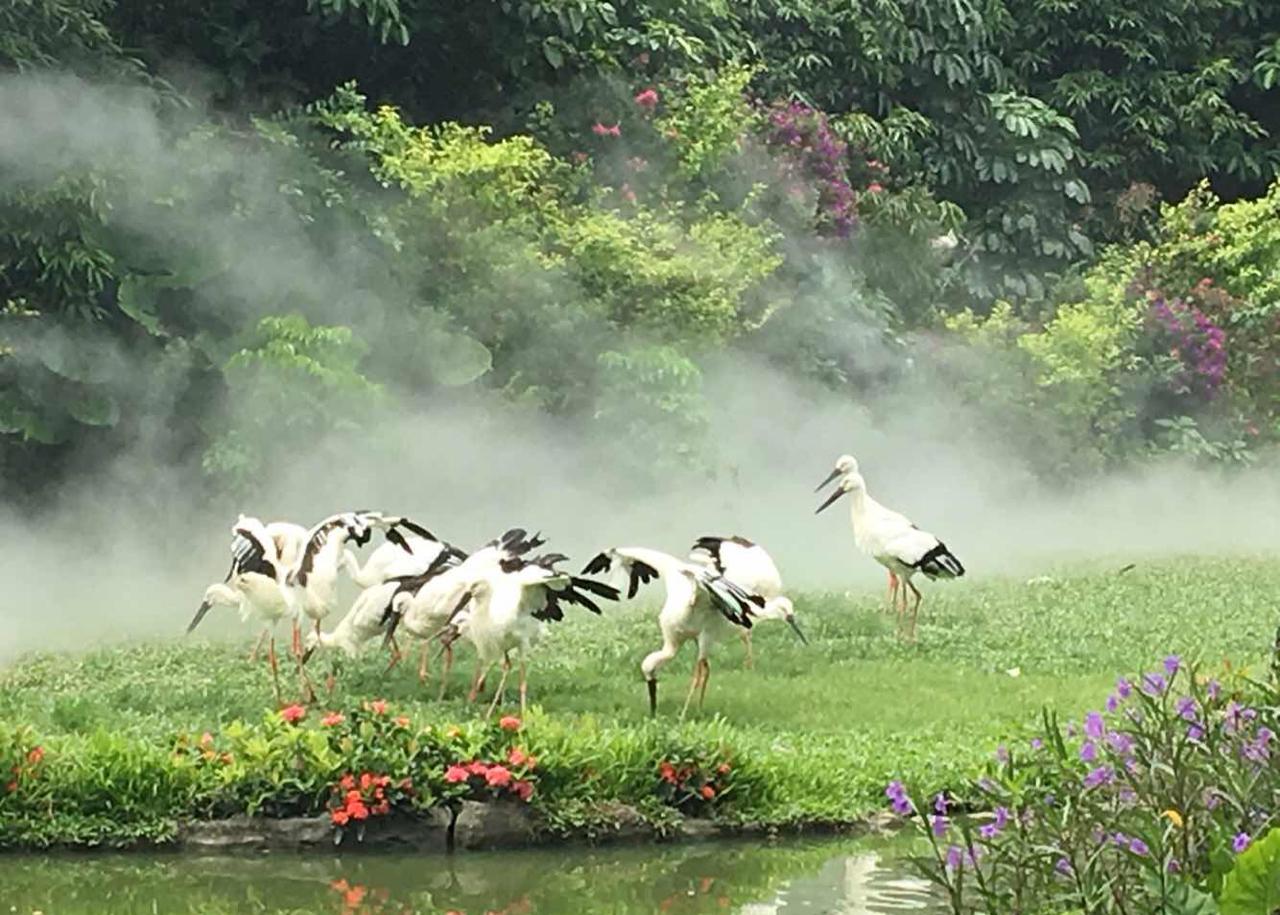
x=824 y=725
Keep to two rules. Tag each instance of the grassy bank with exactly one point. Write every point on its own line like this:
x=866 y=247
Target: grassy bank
x=811 y=733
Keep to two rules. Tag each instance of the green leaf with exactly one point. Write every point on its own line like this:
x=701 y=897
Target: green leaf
x=94 y=408
x=1253 y=885
x=459 y=360
x=552 y=53
x=1183 y=899
x=137 y=298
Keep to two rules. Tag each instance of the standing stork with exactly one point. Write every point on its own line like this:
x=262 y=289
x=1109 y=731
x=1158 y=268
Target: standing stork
x=846 y=463
x=749 y=566
x=509 y=606
x=431 y=604
x=700 y=604
x=313 y=582
x=892 y=540
x=254 y=584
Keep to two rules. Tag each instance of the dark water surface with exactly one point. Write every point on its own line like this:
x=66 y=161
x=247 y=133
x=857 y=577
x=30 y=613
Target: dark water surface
x=747 y=878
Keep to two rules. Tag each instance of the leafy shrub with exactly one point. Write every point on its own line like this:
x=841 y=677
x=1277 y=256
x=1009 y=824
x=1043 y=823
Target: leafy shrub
x=1142 y=806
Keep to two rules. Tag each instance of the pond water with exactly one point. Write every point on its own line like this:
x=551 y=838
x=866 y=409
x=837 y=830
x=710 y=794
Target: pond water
x=839 y=878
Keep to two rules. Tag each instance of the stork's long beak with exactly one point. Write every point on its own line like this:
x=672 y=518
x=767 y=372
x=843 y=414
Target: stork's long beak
x=653 y=698
x=831 y=476
x=204 y=608
x=791 y=621
x=306 y=655
x=466 y=599
x=831 y=498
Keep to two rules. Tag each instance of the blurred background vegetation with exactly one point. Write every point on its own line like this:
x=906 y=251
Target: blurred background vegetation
x=1062 y=212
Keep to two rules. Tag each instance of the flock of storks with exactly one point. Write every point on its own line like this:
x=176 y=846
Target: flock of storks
x=499 y=597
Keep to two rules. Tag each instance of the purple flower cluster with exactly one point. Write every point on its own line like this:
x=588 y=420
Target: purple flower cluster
x=812 y=152
x=1195 y=341
x=896 y=792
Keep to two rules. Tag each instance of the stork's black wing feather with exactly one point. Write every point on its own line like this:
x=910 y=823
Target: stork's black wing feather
x=598 y=588
x=249 y=554
x=394 y=536
x=641 y=574
x=733 y=602
x=601 y=562
x=414 y=528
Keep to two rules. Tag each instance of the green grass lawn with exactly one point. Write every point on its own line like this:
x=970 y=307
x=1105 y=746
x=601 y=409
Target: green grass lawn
x=836 y=718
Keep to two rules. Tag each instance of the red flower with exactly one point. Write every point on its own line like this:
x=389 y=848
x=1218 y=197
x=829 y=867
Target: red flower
x=366 y=781
x=36 y=754
x=708 y=792
x=378 y=706
x=340 y=817
x=403 y=721
x=455 y=774
x=523 y=790
x=347 y=783
x=205 y=739
x=477 y=768
x=293 y=713
x=509 y=723
x=723 y=768
x=647 y=99
x=667 y=772
x=498 y=776
x=354 y=896
x=358 y=811
x=381 y=809
x=516 y=757
x=354 y=797
x=332 y=719
x=874 y=187
x=600 y=130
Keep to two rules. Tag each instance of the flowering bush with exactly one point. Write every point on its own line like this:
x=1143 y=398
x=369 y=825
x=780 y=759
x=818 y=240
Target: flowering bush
x=692 y=785
x=1196 y=345
x=20 y=760
x=1141 y=807
x=812 y=154
x=353 y=800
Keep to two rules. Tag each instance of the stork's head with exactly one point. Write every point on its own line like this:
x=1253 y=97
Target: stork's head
x=219 y=595
x=781 y=608
x=845 y=464
x=849 y=482
x=359 y=525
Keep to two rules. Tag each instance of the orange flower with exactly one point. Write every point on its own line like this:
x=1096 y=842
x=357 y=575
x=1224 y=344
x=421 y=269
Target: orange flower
x=723 y=768
x=36 y=754
x=333 y=719
x=667 y=772
x=340 y=818
x=516 y=757
x=509 y=723
x=403 y=721
x=523 y=790
x=366 y=781
x=293 y=713
x=708 y=792
x=347 y=783
x=340 y=885
x=378 y=706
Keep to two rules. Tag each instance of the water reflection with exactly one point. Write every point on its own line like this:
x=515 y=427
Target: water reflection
x=751 y=879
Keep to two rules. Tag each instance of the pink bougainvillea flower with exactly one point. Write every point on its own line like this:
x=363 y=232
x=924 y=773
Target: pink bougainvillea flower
x=523 y=790
x=509 y=723
x=647 y=99
x=498 y=776
x=293 y=713
x=455 y=774
x=332 y=719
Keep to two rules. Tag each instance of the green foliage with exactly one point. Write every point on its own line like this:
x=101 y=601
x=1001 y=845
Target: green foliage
x=1134 y=810
x=1253 y=883
x=706 y=122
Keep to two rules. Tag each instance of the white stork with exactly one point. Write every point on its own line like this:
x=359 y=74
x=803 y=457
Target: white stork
x=847 y=463
x=749 y=566
x=254 y=584
x=431 y=604
x=700 y=604
x=509 y=606
x=891 y=539
x=313 y=582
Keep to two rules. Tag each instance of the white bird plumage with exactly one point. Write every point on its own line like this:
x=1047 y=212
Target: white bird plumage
x=749 y=566
x=890 y=537
x=700 y=604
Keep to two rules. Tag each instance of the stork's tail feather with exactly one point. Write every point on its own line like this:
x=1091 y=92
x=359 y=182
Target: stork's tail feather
x=940 y=562
x=601 y=562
